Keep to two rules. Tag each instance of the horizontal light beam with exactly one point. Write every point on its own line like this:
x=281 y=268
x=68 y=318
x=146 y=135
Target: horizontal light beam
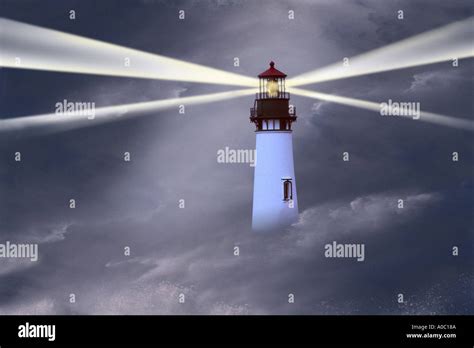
x=26 y=46
x=430 y=117
x=438 y=45
x=53 y=122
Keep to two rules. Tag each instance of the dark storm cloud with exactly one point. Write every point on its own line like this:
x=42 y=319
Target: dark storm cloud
x=190 y=251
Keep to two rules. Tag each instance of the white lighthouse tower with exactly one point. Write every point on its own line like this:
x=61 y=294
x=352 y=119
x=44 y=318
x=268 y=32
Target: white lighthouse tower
x=275 y=203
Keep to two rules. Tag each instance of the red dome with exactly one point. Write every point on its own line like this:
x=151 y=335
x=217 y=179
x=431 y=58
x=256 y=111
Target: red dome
x=272 y=72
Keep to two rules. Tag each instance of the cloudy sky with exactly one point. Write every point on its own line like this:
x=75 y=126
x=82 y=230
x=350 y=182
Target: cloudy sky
x=190 y=251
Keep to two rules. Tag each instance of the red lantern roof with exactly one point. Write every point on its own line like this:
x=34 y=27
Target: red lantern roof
x=272 y=72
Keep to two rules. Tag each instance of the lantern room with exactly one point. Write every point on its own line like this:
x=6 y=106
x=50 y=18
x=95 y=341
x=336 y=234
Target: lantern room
x=272 y=83
x=271 y=111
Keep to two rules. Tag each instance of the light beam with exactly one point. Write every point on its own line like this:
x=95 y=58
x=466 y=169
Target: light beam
x=430 y=117
x=26 y=46
x=438 y=45
x=53 y=122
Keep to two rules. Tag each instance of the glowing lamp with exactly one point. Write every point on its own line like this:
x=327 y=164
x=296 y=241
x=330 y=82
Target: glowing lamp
x=272 y=88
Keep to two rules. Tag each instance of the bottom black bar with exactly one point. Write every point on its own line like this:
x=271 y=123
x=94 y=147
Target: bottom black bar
x=220 y=330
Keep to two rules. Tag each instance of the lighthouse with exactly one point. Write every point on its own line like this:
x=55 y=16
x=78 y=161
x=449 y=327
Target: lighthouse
x=275 y=203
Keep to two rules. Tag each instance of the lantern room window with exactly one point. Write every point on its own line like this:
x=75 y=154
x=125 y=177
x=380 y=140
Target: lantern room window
x=272 y=88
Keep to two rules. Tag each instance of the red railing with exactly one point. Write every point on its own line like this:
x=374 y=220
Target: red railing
x=291 y=112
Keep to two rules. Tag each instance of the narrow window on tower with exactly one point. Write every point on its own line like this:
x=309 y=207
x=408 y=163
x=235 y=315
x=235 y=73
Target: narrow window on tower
x=287 y=190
